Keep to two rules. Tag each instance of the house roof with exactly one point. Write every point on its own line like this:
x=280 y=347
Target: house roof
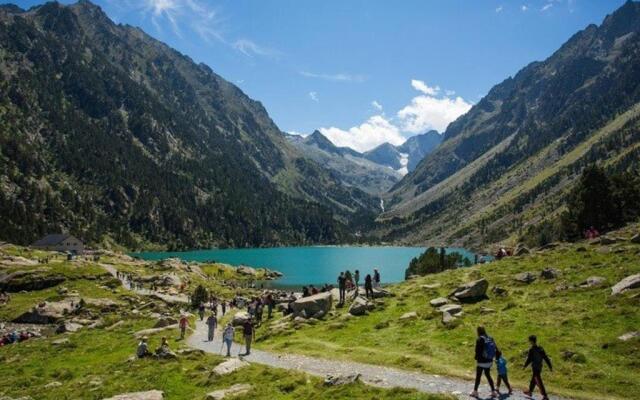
x=52 y=240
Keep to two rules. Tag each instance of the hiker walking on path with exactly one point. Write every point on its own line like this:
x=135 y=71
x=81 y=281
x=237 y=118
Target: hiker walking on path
x=212 y=324
x=227 y=337
x=201 y=309
x=356 y=282
x=183 y=324
x=484 y=354
x=269 y=302
x=501 y=364
x=376 y=278
x=535 y=358
x=248 y=333
x=224 y=307
x=342 y=286
x=368 y=286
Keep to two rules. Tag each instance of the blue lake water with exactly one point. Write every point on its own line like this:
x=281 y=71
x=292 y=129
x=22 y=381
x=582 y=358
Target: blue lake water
x=311 y=265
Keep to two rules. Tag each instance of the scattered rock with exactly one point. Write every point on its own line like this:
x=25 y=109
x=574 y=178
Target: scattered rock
x=630 y=282
x=232 y=391
x=71 y=327
x=521 y=250
x=635 y=238
x=525 y=277
x=360 y=306
x=248 y=271
x=499 y=291
x=165 y=321
x=581 y=249
x=150 y=395
x=49 y=312
x=152 y=331
x=59 y=342
x=439 y=302
x=448 y=319
x=240 y=318
x=453 y=309
x=53 y=384
x=549 y=273
x=37 y=279
x=307 y=307
x=593 y=281
x=409 y=316
x=486 y=310
x=430 y=286
x=114 y=326
x=574 y=357
x=606 y=240
x=562 y=287
x=471 y=291
x=337 y=380
x=629 y=335
x=229 y=366
x=104 y=305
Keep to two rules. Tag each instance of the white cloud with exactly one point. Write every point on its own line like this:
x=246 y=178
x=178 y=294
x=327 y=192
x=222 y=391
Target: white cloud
x=373 y=132
x=427 y=111
x=524 y=8
x=424 y=88
x=296 y=133
x=450 y=92
x=546 y=7
x=340 y=77
x=314 y=96
x=499 y=9
x=250 y=48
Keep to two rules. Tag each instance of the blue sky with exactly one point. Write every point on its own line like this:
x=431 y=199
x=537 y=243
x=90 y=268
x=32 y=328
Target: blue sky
x=362 y=71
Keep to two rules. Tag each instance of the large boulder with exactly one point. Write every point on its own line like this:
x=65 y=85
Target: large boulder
x=308 y=307
x=411 y=315
x=360 y=306
x=240 y=318
x=549 y=273
x=471 y=291
x=149 y=395
x=49 y=312
x=229 y=366
x=630 y=282
x=453 y=309
x=37 y=279
x=521 y=250
x=238 y=389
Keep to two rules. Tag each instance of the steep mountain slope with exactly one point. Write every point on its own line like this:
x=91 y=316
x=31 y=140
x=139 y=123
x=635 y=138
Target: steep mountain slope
x=108 y=133
x=405 y=158
x=349 y=166
x=508 y=161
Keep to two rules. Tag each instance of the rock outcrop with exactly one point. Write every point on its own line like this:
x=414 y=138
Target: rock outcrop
x=309 y=307
x=49 y=312
x=630 y=282
x=149 y=395
x=229 y=366
x=360 y=306
x=29 y=280
x=471 y=291
x=232 y=391
x=525 y=277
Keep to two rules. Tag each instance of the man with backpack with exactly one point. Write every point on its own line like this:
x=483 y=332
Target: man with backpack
x=536 y=357
x=485 y=352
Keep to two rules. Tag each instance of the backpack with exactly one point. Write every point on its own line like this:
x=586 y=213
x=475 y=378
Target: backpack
x=489 y=351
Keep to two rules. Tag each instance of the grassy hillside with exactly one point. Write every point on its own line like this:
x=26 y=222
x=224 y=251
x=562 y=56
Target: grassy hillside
x=579 y=327
x=96 y=362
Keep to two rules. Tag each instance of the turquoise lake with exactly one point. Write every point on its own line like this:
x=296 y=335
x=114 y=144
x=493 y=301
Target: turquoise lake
x=311 y=265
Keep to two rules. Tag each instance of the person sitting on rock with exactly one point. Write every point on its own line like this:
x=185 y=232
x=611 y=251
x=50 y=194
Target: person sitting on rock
x=164 y=351
x=305 y=291
x=143 y=348
x=313 y=290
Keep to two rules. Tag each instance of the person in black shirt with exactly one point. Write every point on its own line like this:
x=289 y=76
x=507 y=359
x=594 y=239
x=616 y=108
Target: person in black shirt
x=248 y=332
x=342 y=286
x=535 y=358
x=484 y=353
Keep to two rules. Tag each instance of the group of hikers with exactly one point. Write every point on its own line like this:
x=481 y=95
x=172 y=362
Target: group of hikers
x=348 y=281
x=486 y=351
x=16 y=336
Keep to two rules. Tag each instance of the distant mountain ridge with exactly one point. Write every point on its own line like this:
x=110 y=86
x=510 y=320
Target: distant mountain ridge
x=405 y=158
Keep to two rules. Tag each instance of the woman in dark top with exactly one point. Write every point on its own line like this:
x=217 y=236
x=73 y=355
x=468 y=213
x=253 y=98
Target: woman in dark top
x=368 y=286
x=484 y=354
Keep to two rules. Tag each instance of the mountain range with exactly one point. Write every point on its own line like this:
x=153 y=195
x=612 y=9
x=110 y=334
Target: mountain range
x=374 y=171
x=113 y=136
x=110 y=134
x=509 y=162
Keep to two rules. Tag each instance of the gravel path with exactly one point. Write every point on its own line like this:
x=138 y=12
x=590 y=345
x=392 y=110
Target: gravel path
x=374 y=375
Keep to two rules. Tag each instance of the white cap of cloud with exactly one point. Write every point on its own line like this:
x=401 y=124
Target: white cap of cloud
x=428 y=112
x=373 y=132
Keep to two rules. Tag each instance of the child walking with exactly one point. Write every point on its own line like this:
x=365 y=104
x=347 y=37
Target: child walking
x=501 y=364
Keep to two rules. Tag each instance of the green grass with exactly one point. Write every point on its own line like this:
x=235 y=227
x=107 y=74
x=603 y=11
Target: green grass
x=95 y=365
x=585 y=321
